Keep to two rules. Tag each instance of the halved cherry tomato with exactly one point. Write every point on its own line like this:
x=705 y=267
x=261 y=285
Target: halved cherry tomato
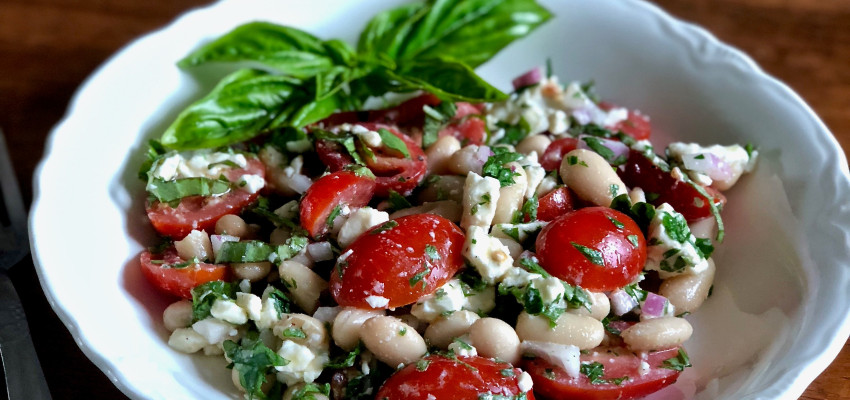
x=331 y=191
x=400 y=260
x=554 y=154
x=661 y=187
x=552 y=382
x=179 y=281
x=440 y=377
x=201 y=213
x=554 y=204
x=407 y=113
x=635 y=125
x=597 y=248
x=392 y=169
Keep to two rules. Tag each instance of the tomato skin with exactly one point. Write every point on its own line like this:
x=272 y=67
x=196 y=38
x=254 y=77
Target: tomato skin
x=618 y=363
x=636 y=124
x=408 y=112
x=179 y=281
x=335 y=189
x=554 y=154
x=470 y=130
x=639 y=171
x=201 y=213
x=592 y=228
x=445 y=378
x=386 y=263
x=554 y=204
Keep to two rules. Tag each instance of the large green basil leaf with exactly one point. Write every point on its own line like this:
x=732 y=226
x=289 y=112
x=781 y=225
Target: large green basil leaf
x=385 y=32
x=241 y=106
x=449 y=80
x=168 y=191
x=288 y=50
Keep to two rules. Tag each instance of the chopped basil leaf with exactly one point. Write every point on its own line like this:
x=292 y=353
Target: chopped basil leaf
x=704 y=247
x=700 y=157
x=715 y=210
x=294 y=333
x=589 y=89
x=512 y=232
x=242 y=252
x=204 y=295
x=606 y=322
x=436 y=118
x=507 y=372
x=633 y=239
x=309 y=390
x=514 y=133
x=397 y=201
x=596 y=145
x=594 y=372
x=384 y=227
x=345 y=360
x=528 y=212
x=419 y=277
x=431 y=252
x=592 y=255
x=422 y=365
x=170 y=191
x=252 y=360
x=495 y=166
x=282 y=304
x=678 y=363
x=347 y=141
x=641 y=213
x=462 y=344
x=616 y=223
x=393 y=142
x=291 y=248
x=332 y=216
x=228 y=163
x=676 y=227
x=635 y=292
x=573 y=160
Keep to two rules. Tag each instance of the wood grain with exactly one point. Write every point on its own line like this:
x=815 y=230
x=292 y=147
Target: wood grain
x=48 y=47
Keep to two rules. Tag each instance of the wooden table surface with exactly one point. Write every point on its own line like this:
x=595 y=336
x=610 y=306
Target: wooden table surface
x=48 y=47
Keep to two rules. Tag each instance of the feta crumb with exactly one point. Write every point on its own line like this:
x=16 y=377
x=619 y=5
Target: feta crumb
x=672 y=253
x=487 y=254
x=524 y=382
x=251 y=303
x=187 y=340
x=229 y=311
x=565 y=356
x=304 y=365
x=377 y=301
x=480 y=196
x=214 y=330
x=462 y=347
x=252 y=183
x=358 y=222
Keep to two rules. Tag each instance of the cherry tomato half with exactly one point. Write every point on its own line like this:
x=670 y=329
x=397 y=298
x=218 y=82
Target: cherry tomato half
x=555 y=204
x=159 y=270
x=400 y=260
x=597 y=248
x=551 y=382
x=662 y=187
x=554 y=154
x=440 y=377
x=635 y=125
x=331 y=191
x=201 y=213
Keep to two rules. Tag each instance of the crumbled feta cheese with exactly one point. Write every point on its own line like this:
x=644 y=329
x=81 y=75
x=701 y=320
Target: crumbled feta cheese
x=229 y=311
x=187 y=340
x=251 y=303
x=202 y=163
x=480 y=196
x=534 y=174
x=644 y=368
x=518 y=232
x=214 y=330
x=524 y=382
x=716 y=165
x=671 y=247
x=548 y=184
x=450 y=298
x=517 y=277
x=252 y=183
x=377 y=301
x=551 y=289
x=487 y=254
x=565 y=356
x=371 y=138
x=462 y=347
x=304 y=364
x=358 y=222
x=269 y=314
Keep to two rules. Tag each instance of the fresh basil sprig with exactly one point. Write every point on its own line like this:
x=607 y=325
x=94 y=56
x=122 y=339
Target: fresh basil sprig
x=300 y=79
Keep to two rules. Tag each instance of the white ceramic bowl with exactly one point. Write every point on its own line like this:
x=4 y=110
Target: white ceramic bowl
x=779 y=313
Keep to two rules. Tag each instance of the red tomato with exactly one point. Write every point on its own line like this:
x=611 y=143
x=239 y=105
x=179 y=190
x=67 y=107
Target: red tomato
x=554 y=154
x=400 y=260
x=551 y=382
x=179 y=281
x=592 y=248
x=635 y=125
x=554 y=204
x=662 y=187
x=407 y=113
x=201 y=213
x=330 y=191
x=392 y=169
x=439 y=377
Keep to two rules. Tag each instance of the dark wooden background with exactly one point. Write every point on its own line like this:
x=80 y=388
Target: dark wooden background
x=47 y=48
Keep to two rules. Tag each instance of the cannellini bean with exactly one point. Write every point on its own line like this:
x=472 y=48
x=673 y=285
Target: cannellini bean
x=578 y=330
x=279 y=236
x=514 y=249
x=687 y=292
x=447 y=209
x=347 y=326
x=442 y=331
x=591 y=177
x=177 y=315
x=252 y=271
x=303 y=284
x=195 y=245
x=316 y=336
x=392 y=341
x=536 y=143
x=637 y=195
x=495 y=338
x=465 y=160
x=599 y=308
x=439 y=154
x=443 y=187
x=290 y=393
x=657 y=333
x=511 y=196
x=232 y=225
x=705 y=228
x=186 y=340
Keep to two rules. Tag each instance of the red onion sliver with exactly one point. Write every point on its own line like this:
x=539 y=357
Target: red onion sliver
x=529 y=78
x=654 y=304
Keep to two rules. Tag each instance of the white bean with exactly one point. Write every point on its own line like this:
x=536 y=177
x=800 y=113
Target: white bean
x=177 y=315
x=465 y=160
x=392 y=341
x=279 y=236
x=705 y=228
x=591 y=177
x=600 y=306
x=536 y=143
x=514 y=249
x=439 y=154
x=303 y=284
x=195 y=245
x=315 y=336
x=252 y=271
x=232 y=225
x=495 y=338
x=443 y=187
x=511 y=196
x=347 y=326
x=570 y=329
x=637 y=195
x=186 y=340
x=657 y=333
x=442 y=331
x=687 y=292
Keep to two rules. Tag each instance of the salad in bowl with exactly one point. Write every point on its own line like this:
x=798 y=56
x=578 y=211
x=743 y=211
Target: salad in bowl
x=381 y=222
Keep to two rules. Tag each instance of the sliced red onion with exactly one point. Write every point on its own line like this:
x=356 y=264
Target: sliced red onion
x=618 y=148
x=654 y=305
x=218 y=240
x=621 y=302
x=320 y=251
x=480 y=157
x=707 y=163
x=529 y=78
